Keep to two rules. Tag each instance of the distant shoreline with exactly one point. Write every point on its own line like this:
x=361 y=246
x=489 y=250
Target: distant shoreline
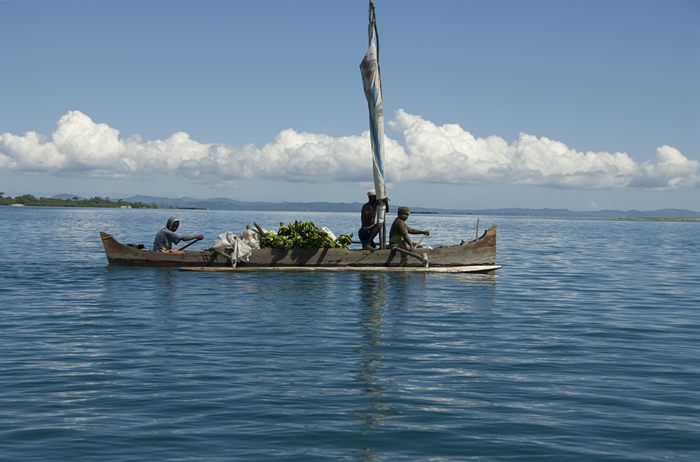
x=221 y=203
x=654 y=219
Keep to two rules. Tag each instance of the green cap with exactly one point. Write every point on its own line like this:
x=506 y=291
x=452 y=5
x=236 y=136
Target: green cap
x=404 y=209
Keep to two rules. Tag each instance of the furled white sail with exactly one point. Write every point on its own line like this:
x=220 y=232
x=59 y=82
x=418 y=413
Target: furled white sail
x=373 y=91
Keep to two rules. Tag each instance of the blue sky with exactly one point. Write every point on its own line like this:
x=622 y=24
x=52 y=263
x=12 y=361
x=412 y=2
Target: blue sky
x=582 y=105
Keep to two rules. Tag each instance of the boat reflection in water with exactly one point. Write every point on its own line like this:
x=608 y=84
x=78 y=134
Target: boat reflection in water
x=374 y=289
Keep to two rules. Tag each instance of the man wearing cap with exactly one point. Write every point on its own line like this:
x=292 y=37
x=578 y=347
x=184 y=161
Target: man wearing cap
x=398 y=235
x=369 y=228
x=167 y=236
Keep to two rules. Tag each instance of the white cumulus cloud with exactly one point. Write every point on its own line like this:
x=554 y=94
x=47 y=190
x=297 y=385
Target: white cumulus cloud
x=450 y=154
x=428 y=153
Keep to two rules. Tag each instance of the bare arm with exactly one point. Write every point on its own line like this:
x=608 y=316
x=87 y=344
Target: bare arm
x=403 y=231
x=386 y=202
x=416 y=231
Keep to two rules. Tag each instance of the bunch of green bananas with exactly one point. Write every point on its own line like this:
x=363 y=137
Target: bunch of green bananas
x=302 y=235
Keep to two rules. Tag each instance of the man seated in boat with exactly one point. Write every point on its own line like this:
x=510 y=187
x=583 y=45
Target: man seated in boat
x=398 y=236
x=167 y=236
x=369 y=228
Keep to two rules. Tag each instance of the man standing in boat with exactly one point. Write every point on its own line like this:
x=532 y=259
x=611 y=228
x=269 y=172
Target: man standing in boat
x=167 y=236
x=369 y=228
x=398 y=236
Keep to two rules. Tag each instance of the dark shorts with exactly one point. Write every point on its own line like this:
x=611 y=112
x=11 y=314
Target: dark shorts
x=363 y=234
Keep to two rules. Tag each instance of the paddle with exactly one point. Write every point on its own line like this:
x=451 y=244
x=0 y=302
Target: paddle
x=415 y=246
x=184 y=247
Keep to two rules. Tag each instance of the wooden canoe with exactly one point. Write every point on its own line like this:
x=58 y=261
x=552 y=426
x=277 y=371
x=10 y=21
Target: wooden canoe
x=477 y=253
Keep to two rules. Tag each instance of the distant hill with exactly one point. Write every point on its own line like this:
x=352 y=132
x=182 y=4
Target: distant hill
x=222 y=203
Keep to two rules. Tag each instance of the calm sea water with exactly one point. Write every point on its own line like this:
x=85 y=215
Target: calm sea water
x=585 y=346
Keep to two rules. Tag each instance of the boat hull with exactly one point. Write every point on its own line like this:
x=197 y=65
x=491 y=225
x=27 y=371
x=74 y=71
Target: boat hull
x=479 y=252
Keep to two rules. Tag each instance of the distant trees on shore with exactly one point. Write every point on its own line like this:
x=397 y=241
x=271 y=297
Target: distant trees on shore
x=97 y=201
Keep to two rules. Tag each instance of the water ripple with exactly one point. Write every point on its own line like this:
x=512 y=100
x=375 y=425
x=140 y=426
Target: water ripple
x=583 y=347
